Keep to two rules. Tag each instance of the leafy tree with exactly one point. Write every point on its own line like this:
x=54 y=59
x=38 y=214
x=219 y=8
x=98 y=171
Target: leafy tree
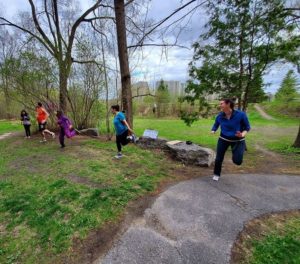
x=241 y=42
x=288 y=87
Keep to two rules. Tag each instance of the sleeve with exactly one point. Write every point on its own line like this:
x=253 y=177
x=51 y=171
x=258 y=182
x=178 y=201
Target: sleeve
x=121 y=116
x=216 y=124
x=245 y=123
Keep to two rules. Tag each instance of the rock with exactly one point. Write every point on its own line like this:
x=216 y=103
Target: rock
x=191 y=154
x=150 y=143
x=91 y=132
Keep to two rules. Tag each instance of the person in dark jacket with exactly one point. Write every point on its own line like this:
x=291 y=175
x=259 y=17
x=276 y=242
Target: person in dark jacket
x=234 y=126
x=25 y=119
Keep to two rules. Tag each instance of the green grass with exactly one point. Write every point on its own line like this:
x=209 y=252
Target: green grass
x=278 y=245
x=43 y=207
x=9 y=126
x=287 y=110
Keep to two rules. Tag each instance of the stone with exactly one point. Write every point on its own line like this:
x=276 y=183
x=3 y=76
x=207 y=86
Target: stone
x=91 y=132
x=151 y=143
x=191 y=154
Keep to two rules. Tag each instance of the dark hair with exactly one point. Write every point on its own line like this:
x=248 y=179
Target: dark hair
x=59 y=113
x=24 y=112
x=115 y=107
x=229 y=101
x=39 y=104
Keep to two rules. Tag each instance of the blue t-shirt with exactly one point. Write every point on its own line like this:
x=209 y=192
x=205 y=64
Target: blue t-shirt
x=119 y=126
x=237 y=122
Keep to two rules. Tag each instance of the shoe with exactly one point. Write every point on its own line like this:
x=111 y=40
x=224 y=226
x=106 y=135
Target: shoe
x=53 y=135
x=62 y=146
x=119 y=156
x=43 y=141
x=216 y=178
x=134 y=138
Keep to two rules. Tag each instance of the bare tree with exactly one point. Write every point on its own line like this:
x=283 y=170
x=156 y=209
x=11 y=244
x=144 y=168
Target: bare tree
x=47 y=29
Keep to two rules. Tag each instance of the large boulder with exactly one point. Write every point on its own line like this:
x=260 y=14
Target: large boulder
x=151 y=143
x=191 y=154
x=91 y=132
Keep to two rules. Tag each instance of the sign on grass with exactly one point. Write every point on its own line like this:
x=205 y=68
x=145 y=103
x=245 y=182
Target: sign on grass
x=150 y=133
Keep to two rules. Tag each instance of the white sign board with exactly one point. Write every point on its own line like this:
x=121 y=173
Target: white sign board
x=150 y=133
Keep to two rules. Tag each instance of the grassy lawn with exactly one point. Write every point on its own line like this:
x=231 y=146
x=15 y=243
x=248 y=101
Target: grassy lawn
x=271 y=239
x=51 y=197
x=9 y=126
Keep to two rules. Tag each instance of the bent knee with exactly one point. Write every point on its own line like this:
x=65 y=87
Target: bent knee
x=237 y=162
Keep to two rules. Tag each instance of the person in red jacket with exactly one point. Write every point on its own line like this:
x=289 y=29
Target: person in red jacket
x=42 y=116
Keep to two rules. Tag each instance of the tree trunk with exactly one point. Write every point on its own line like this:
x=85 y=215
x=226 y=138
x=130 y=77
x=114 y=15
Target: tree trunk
x=123 y=58
x=297 y=141
x=63 y=86
x=106 y=91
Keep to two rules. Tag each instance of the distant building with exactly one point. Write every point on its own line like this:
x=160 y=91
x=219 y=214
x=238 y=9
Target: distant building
x=175 y=88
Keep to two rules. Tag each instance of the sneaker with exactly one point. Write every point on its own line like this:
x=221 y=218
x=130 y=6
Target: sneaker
x=119 y=156
x=53 y=135
x=216 y=178
x=43 y=141
x=134 y=138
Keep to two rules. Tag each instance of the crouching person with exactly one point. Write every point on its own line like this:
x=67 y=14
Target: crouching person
x=66 y=128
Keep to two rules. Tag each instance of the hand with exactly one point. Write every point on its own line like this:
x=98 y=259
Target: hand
x=240 y=134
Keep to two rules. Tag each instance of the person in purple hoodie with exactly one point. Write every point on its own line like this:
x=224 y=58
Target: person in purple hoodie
x=66 y=128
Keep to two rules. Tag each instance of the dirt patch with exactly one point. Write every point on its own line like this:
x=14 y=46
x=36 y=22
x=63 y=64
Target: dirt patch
x=86 y=181
x=256 y=229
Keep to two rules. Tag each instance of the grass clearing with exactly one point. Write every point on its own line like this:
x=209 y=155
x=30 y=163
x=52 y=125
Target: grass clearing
x=9 y=126
x=51 y=197
x=272 y=239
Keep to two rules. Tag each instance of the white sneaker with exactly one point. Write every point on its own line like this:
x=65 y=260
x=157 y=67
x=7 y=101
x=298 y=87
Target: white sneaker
x=216 y=178
x=43 y=141
x=119 y=156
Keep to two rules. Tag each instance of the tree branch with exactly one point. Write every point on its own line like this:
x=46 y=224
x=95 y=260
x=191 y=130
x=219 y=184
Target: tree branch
x=157 y=45
x=141 y=95
x=38 y=27
x=8 y=23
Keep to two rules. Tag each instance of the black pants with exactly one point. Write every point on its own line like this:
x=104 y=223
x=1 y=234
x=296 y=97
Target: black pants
x=62 y=137
x=122 y=140
x=237 y=149
x=27 y=130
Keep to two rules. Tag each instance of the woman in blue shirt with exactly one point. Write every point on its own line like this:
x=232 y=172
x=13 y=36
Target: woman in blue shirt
x=122 y=130
x=234 y=127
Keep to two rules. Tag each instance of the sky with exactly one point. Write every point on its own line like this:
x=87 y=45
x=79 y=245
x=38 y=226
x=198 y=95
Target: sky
x=155 y=63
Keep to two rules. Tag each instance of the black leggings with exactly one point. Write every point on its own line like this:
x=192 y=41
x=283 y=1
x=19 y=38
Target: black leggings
x=27 y=130
x=237 y=149
x=122 y=140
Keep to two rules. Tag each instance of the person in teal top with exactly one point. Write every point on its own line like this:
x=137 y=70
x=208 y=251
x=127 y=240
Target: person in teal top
x=124 y=134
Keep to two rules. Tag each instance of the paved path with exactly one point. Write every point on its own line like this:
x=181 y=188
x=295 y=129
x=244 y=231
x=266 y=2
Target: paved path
x=5 y=135
x=197 y=221
x=263 y=113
